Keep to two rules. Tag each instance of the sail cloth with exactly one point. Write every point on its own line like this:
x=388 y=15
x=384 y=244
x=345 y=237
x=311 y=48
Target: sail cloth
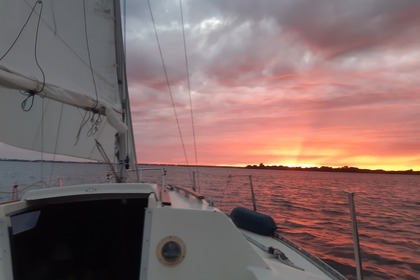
x=67 y=49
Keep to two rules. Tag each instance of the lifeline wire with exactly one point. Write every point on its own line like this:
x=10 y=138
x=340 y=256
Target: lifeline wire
x=56 y=143
x=388 y=208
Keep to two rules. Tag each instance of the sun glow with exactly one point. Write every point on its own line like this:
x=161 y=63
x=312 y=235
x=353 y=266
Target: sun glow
x=294 y=164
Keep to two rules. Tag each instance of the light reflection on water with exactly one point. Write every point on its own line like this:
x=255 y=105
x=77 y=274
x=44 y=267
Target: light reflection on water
x=310 y=208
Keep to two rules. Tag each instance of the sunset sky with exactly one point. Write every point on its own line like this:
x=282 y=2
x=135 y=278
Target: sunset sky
x=292 y=82
x=279 y=82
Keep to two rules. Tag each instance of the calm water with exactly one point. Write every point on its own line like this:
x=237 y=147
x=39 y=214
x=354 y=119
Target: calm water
x=310 y=208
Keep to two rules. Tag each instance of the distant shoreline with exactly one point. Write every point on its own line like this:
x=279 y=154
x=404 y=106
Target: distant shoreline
x=343 y=169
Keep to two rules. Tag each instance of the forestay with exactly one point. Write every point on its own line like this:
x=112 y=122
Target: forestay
x=66 y=56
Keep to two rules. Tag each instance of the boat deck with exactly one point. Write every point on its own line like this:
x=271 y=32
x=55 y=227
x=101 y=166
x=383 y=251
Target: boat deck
x=132 y=231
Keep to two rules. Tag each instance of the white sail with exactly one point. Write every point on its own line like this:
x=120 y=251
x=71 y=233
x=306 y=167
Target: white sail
x=65 y=54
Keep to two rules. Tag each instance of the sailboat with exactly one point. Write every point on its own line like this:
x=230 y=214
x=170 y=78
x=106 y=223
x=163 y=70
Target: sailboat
x=63 y=90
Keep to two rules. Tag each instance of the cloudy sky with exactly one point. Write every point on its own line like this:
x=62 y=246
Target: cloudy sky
x=292 y=82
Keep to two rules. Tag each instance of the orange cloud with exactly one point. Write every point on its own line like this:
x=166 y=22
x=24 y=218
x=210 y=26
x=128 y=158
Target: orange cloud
x=337 y=85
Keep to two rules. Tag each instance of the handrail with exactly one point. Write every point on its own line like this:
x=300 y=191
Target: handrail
x=154 y=169
x=163 y=194
x=310 y=257
x=164 y=197
x=187 y=191
x=275 y=252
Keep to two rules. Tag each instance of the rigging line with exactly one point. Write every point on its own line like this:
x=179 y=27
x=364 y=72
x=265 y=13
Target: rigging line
x=56 y=143
x=82 y=124
x=388 y=208
x=98 y=135
x=53 y=16
x=169 y=87
x=42 y=139
x=105 y=157
x=21 y=30
x=275 y=252
x=36 y=48
x=189 y=92
x=24 y=102
x=89 y=56
x=95 y=123
x=54 y=30
x=225 y=189
x=31 y=94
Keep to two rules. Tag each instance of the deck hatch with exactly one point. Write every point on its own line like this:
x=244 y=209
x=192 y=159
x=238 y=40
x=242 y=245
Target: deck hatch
x=80 y=240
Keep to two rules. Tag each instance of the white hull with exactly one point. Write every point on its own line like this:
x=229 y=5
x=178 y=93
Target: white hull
x=113 y=231
x=119 y=231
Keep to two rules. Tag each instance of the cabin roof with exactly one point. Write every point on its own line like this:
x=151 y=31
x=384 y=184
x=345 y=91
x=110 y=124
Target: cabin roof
x=91 y=189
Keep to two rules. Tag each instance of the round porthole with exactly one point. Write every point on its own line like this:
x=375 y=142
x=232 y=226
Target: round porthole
x=171 y=251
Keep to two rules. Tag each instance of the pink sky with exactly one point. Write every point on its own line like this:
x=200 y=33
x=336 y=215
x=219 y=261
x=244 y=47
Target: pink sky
x=291 y=82
x=278 y=82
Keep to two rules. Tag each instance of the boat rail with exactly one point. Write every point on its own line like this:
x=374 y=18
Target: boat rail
x=187 y=191
x=163 y=193
x=356 y=245
x=153 y=169
x=16 y=192
x=314 y=260
x=311 y=258
x=355 y=234
x=164 y=197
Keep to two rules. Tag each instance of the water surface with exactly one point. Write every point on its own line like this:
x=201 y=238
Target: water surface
x=310 y=208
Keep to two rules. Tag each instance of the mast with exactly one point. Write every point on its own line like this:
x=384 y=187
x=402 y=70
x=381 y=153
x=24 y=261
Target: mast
x=125 y=141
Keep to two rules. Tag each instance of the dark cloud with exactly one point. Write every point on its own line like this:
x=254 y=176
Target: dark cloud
x=317 y=77
x=330 y=25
